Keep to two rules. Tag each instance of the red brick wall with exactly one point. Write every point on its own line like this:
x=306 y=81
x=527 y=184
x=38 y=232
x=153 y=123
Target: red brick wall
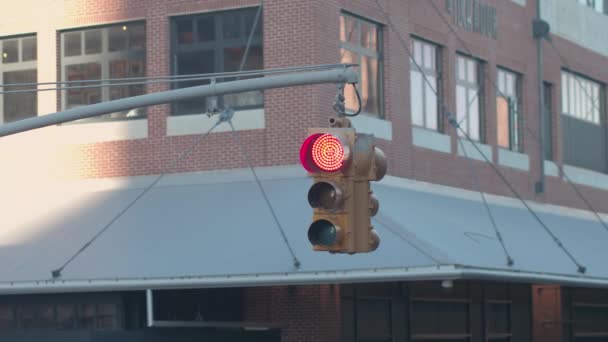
x=304 y=313
x=303 y=32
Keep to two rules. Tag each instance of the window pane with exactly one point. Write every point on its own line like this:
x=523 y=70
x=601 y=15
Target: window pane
x=86 y=316
x=431 y=103
x=18 y=106
x=85 y=96
x=231 y=25
x=106 y=316
x=418 y=54
x=206 y=29
x=117 y=36
x=10 y=51
x=8 y=321
x=29 y=49
x=200 y=62
x=66 y=316
x=249 y=19
x=510 y=88
x=26 y=317
x=416 y=98
x=351 y=33
x=439 y=318
x=369 y=36
x=564 y=89
x=373 y=319
x=232 y=61
x=501 y=82
x=92 y=41
x=428 y=56
x=461 y=68
x=370 y=101
x=137 y=36
x=461 y=108
x=123 y=69
x=473 y=114
x=349 y=92
x=472 y=71
x=72 y=44
x=185 y=31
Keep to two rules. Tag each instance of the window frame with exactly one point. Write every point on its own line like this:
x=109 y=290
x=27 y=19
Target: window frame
x=104 y=58
x=578 y=79
x=217 y=46
x=437 y=73
x=20 y=65
x=514 y=99
x=480 y=94
x=378 y=55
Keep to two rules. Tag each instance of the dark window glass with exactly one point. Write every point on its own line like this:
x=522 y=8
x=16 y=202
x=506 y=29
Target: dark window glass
x=498 y=318
x=137 y=35
x=216 y=52
x=19 y=106
x=590 y=318
x=86 y=316
x=206 y=29
x=201 y=62
x=122 y=69
x=83 y=96
x=92 y=41
x=8 y=321
x=72 y=44
x=185 y=31
x=118 y=37
x=106 y=316
x=10 y=51
x=439 y=318
x=231 y=26
x=26 y=317
x=373 y=319
x=29 y=49
x=66 y=315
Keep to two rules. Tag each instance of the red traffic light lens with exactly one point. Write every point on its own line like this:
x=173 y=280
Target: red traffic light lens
x=322 y=152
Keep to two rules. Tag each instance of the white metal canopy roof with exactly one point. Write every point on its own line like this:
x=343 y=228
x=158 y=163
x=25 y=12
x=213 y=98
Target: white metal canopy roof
x=213 y=229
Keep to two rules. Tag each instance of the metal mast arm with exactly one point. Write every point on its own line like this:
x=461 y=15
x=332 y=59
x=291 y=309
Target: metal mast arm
x=337 y=75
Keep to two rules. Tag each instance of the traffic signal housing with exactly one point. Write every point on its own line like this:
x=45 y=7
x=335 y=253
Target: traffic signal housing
x=342 y=163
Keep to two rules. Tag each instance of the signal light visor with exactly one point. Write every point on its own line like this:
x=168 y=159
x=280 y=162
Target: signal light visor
x=322 y=152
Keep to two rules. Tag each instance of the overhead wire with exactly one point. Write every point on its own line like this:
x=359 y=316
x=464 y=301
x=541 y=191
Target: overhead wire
x=509 y=259
x=246 y=156
x=452 y=120
x=531 y=133
x=127 y=81
x=56 y=273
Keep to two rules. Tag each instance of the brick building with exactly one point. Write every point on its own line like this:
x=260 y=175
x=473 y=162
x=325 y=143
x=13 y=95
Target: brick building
x=200 y=256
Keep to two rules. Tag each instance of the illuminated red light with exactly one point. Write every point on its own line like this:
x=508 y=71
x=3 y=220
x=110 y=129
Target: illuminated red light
x=322 y=152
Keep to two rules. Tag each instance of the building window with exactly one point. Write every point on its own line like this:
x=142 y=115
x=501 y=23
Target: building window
x=508 y=110
x=215 y=43
x=102 y=53
x=361 y=43
x=581 y=98
x=597 y=5
x=424 y=78
x=468 y=97
x=34 y=316
x=367 y=313
x=589 y=314
x=548 y=135
x=18 y=66
x=584 y=135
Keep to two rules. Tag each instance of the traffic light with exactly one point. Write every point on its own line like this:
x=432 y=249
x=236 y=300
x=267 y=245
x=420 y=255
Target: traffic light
x=342 y=162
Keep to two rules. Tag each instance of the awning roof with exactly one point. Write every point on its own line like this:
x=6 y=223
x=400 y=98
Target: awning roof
x=213 y=229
